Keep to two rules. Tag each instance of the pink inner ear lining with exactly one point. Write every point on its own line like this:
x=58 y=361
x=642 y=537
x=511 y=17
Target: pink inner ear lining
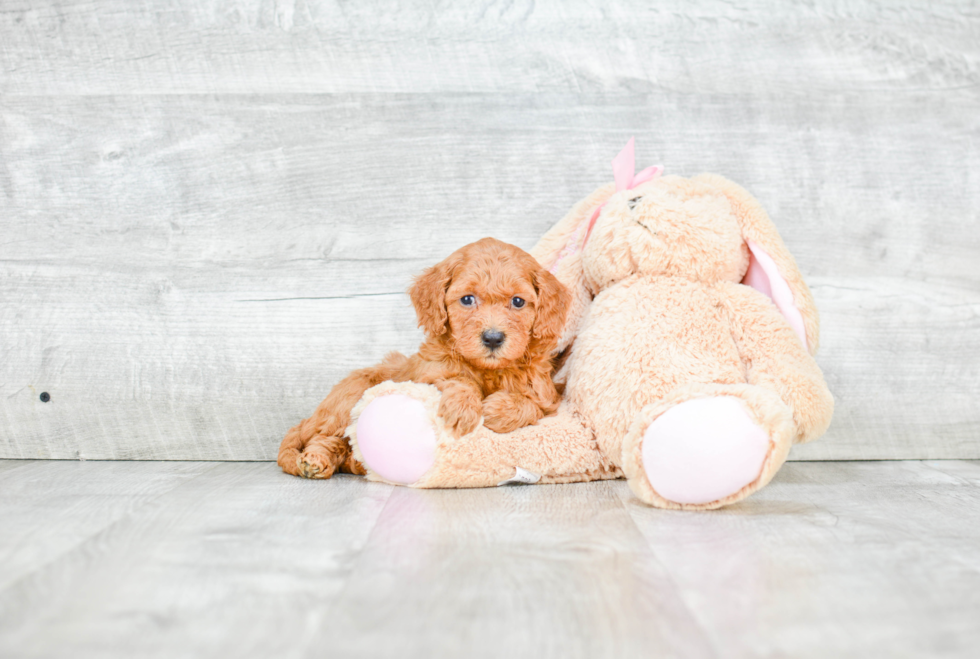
x=763 y=276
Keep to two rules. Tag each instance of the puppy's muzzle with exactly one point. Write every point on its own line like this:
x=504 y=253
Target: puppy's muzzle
x=492 y=338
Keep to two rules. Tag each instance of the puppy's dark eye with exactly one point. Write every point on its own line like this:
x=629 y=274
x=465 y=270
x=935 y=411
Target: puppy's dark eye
x=467 y=300
x=518 y=302
x=632 y=202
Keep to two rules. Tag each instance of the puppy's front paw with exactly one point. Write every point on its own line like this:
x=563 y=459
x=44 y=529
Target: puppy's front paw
x=504 y=412
x=460 y=410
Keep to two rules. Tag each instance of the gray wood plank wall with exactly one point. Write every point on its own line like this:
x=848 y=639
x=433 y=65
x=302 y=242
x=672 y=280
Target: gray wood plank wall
x=209 y=211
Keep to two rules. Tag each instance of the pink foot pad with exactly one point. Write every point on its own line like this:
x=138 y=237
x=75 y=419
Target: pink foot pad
x=396 y=438
x=703 y=450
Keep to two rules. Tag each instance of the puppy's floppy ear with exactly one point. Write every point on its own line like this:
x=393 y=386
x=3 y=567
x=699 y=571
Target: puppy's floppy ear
x=428 y=294
x=552 y=308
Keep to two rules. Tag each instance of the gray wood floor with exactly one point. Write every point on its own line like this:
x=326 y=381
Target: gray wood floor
x=196 y=559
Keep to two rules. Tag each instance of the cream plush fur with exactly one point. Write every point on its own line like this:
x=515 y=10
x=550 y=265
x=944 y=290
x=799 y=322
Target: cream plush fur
x=660 y=318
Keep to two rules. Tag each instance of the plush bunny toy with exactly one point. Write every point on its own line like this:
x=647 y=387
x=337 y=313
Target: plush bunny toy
x=690 y=370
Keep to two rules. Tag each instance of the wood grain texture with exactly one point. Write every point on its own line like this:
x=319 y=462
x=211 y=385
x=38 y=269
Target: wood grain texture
x=237 y=559
x=833 y=559
x=253 y=46
x=76 y=502
x=557 y=571
x=209 y=212
x=231 y=560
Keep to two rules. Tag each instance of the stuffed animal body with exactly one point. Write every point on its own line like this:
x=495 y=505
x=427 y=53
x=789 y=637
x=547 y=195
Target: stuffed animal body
x=690 y=371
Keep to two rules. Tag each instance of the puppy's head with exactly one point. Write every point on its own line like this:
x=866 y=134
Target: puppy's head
x=491 y=303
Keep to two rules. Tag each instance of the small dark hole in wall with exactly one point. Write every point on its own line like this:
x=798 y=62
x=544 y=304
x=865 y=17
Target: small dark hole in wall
x=45 y=396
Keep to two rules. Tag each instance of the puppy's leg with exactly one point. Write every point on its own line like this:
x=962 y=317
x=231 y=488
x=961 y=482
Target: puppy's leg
x=317 y=448
x=323 y=456
x=506 y=411
x=509 y=409
x=294 y=442
x=460 y=405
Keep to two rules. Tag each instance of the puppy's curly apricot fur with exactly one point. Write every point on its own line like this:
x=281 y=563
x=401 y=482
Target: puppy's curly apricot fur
x=492 y=317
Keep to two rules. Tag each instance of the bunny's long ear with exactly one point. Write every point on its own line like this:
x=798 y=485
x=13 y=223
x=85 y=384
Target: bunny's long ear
x=560 y=252
x=772 y=269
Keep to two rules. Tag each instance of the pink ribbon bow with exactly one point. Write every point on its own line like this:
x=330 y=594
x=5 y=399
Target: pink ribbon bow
x=624 y=165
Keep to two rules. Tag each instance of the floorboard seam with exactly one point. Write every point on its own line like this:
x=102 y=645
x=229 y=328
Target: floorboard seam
x=99 y=533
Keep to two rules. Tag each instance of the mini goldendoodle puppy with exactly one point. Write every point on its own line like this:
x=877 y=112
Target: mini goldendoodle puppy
x=492 y=316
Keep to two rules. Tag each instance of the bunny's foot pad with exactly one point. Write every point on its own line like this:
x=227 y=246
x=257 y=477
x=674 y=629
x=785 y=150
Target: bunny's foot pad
x=703 y=450
x=396 y=438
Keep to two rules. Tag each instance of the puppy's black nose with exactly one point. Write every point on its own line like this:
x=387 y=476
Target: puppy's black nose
x=492 y=338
